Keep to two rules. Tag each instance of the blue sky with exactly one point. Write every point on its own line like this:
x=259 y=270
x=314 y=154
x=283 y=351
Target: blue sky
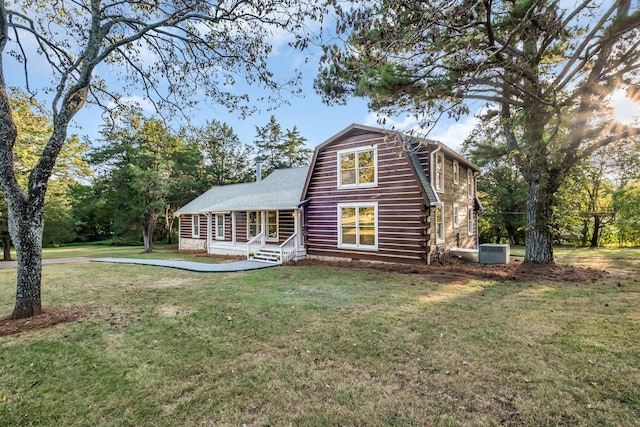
x=315 y=120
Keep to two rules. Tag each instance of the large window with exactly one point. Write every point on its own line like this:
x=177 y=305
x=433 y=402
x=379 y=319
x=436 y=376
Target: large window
x=272 y=225
x=358 y=226
x=220 y=226
x=358 y=168
x=254 y=224
x=439 y=224
x=195 y=225
x=438 y=173
x=469 y=220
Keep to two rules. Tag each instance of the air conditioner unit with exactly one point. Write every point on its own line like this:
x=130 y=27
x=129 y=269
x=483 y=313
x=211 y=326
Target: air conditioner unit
x=494 y=254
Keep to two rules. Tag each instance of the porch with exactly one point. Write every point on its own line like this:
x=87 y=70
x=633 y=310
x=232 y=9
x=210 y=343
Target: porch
x=273 y=236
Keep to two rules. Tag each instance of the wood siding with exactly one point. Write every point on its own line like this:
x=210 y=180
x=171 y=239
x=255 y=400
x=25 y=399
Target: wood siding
x=185 y=227
x=401 y=233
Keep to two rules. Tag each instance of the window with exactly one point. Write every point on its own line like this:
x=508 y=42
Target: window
x=469 y=184
x=470 y=220
x=456 y=210
x=439 y=224
x=439 y=172
x=272 y=225
x=456 y=172
x=358 y=168
x=220 y=226
x=254 y=224
x=358 y=226
x=195 y=225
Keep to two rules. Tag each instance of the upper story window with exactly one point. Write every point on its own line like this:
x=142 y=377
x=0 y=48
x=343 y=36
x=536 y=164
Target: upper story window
x=456 y=172
x=358 y=167
x=438 y=173
x=469 y=184
x=195 y=225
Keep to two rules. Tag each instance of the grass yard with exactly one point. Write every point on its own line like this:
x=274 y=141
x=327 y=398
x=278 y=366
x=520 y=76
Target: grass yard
x=320 y=345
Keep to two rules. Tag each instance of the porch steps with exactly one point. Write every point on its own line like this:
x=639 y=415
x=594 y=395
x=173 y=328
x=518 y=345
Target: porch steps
x=267 y=254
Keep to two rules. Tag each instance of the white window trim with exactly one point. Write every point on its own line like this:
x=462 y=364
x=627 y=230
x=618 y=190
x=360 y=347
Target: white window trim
x=439 y=183
x=435 y=216
x=217 y=225
x=266 y=225
x=470 y=220
x=375 y=224
x=455 y=216
x=469 y=184
x=195 y=226
x=456 y=172
x=259 y=223
x=375 y=167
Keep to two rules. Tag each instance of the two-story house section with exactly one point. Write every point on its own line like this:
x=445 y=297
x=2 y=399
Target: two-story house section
x=378 y=195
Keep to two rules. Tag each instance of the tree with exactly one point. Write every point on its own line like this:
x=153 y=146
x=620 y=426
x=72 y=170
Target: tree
x=228 y=160
x=502 y=190
x=139 y=158
x=169 y=50
x=278 y=149
x=547 y=70
x=34 y=127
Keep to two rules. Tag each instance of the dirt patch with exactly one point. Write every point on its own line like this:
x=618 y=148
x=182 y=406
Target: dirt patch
x=455 y=271
x=50 y=316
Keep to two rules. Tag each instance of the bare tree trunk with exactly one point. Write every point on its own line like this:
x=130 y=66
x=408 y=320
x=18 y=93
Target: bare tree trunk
x=595 y=236
x=538 y=240
x=168 y=223
x=26 y=227
x=6 y=247
x=147 y=232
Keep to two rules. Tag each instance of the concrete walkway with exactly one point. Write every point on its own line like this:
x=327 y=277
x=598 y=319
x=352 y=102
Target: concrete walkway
x=201 y=267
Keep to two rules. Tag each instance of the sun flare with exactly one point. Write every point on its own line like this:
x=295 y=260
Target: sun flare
x=625 y=110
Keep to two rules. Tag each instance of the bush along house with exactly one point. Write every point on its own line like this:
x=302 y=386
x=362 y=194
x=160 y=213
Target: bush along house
x=369 y=194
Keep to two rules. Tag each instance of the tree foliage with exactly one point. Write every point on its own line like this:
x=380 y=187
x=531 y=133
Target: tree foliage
x=228 y=160
x=278 y=149
x=545 y=70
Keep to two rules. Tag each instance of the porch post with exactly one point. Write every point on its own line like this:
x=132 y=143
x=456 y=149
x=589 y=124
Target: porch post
x=209 y=229
x=233 y=227
x=296 y=226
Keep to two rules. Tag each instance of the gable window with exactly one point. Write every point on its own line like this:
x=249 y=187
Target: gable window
x=220 y=226
x=456 y=211
x=195 y=225
x=456 y=172
x=272 y=225
x=439 y=224
x=439 y=172
x=253 y=224
x=358 y=168
x=469 y=184
x=470 y=220
x=358 y=225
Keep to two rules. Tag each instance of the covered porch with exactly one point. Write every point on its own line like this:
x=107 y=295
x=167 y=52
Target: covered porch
x=273 y=236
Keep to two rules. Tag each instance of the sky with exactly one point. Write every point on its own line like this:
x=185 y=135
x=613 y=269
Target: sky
x=316 y=121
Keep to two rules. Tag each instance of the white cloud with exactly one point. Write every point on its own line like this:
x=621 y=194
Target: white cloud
x=451 y=133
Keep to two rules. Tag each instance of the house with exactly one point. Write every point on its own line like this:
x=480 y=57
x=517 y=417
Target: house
x=261 y=219
x=369 y=194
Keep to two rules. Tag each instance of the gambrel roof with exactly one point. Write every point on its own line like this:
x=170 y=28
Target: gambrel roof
x=281 y=190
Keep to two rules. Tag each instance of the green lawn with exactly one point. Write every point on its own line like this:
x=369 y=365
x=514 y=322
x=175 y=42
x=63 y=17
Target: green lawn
x=313 y=346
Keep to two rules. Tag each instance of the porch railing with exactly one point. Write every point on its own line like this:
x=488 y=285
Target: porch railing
x=256 y=243
x=288 y=249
